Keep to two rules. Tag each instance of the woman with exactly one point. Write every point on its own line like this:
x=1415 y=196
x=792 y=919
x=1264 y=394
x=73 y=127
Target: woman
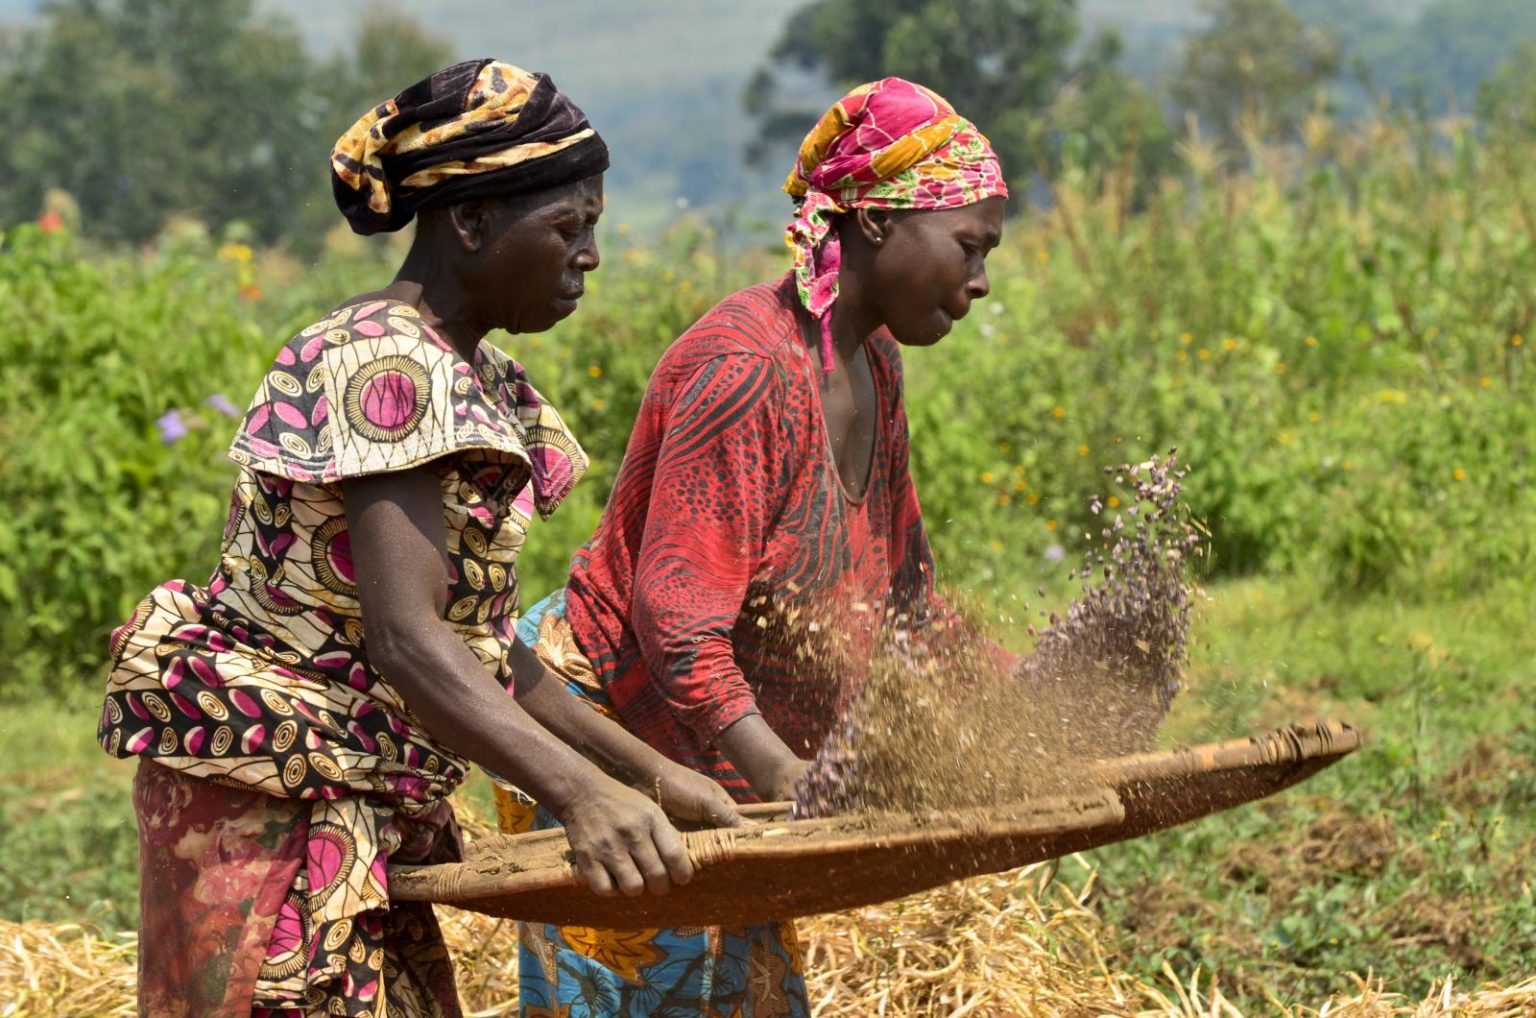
x=302 y=718
x=764 y=531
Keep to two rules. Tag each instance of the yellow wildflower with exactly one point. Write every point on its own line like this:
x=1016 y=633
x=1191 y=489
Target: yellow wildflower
x=595 y=370
x=1229 y=344
x=1083 y=450
x=1050 y=524
x=1034 y=498
x=1183 y=356
x=986 y=477
x=1311 y=340
x=1458 y=475
x=1204 y=354
x=1280 y=368
x=1485 y=382
x=235 y=253
x=1186 y=339
x=1517 y=340
x=1113 y=501
x=1059 y=412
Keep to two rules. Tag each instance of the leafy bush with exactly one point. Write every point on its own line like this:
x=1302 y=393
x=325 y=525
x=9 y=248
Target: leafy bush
x=1336 y=345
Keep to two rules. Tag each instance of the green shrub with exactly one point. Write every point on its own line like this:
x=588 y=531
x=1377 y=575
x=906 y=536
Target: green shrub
x=1336 y=347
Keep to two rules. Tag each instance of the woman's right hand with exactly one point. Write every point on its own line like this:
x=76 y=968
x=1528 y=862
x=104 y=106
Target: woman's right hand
x=688 y=795
x=622 y=843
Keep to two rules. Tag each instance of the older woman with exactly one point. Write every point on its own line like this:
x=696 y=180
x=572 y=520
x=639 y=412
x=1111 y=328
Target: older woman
x=764 y=530
x=301 y=718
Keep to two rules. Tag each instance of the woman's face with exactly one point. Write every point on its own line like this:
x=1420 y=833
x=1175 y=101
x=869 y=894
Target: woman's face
x=930 y=265
x=528 y=271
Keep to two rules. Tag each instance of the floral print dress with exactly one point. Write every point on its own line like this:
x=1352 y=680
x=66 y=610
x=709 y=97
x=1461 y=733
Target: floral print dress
x=254 y=693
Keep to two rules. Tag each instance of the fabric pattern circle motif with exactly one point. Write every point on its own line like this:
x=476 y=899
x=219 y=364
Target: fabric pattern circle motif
x=387 y=398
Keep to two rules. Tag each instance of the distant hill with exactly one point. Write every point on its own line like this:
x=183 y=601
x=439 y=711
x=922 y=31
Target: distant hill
x=663 y=79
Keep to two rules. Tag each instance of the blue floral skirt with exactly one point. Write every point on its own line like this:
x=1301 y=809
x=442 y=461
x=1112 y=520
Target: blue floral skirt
x=583 y=972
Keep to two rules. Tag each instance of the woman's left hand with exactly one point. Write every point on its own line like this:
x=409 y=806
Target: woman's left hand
x=688 y=795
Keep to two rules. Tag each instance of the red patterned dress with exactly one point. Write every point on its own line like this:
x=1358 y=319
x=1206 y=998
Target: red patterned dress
x=280 y=773
x=732 y=572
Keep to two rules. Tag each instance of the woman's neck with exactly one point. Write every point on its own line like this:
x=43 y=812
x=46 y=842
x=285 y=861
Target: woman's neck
x=853 y=321
x=425 y=283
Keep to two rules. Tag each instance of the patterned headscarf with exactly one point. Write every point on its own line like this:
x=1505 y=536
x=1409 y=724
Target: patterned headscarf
x=479 y=129
x=890 y=144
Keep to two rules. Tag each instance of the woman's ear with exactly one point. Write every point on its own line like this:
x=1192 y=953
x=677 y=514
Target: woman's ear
x=874 y=225
x=470 y=222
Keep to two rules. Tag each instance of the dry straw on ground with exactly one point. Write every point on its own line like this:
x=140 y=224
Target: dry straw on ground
x=980 y=948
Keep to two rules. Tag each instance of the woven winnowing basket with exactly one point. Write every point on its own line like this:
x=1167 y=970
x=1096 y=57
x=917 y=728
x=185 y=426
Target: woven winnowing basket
x=778 y=869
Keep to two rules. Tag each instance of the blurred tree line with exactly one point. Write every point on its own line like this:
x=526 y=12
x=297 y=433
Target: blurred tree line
x=144 y=109
x=1255 y=70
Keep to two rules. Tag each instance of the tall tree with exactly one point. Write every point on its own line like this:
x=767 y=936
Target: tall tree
x=146 y=108
x=142 y=108
x=1256 y=64
x=1001 y=62
x=1450 y=49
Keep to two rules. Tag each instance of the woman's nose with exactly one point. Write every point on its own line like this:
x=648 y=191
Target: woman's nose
x=979 y=286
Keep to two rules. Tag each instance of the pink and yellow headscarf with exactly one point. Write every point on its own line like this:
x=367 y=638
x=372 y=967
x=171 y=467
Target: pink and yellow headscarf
x=890 y=144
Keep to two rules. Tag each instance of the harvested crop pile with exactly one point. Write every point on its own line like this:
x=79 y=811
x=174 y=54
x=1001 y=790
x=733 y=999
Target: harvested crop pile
x=978 y=948
x=938 y=724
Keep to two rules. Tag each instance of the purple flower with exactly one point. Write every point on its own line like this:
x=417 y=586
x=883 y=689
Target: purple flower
x=1055 y=553
x=221 y=403
x=171 y=426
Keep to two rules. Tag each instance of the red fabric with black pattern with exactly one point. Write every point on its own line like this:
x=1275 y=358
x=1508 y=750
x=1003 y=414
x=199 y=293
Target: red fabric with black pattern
x=731 y=573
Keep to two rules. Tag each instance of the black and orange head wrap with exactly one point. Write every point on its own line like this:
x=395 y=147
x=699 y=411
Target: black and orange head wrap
x=479 y=129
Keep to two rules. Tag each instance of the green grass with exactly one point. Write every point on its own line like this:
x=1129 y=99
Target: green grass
x=67 y=837
x=66 y=823
x=1409 y=859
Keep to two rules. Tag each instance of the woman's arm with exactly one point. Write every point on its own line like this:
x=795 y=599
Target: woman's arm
x=619 y=838
x=712 y=501
x=681 y=792
x=770 y=766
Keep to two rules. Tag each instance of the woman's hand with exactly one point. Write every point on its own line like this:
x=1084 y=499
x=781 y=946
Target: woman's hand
x=621 y=842
x=689 y=795
x=760 y=756
x=781 y=788
x=679 y=791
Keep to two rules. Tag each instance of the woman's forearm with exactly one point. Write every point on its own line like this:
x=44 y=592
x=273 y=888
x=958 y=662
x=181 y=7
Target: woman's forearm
x=466 y=709
x=760 y=756
x=595 y=737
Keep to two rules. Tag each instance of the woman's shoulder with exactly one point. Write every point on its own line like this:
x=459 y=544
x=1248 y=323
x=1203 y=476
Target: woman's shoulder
x=885 y=358
x=757 y=320
x=366 y=318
